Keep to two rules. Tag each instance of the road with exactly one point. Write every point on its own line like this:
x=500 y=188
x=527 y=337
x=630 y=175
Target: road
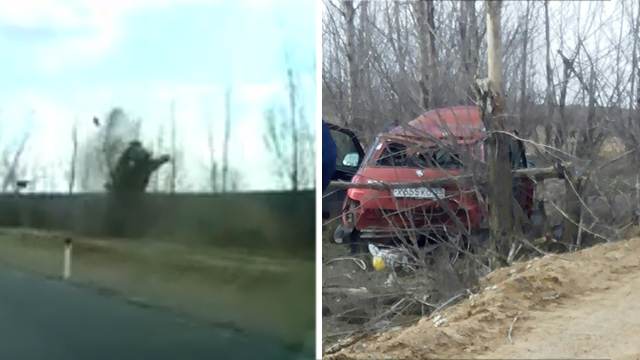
x=51 y=319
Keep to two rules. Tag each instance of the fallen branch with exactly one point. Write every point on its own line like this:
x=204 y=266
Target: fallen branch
x=535 y=173
x=511 y=329
x=361 y=264
x=348 y=291
x=345 y=343
x=444 y=304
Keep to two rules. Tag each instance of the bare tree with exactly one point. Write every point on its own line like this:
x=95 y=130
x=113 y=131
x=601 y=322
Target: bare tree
x=349 y=12
x=12 y=164
x=213 y=164
x=174 y=155
x=289 y=140
x=525 y=56
x=294 y=131
x=275 y=142
x=74 y=156
x=501 y=216
x=634 y=62
x=227 y=135
x=424 y=10
x=468 y=23
x=550 y=96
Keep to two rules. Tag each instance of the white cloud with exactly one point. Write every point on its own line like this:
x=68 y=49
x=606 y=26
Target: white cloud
x=90 y=28
x=259 y=94
x=70 y=14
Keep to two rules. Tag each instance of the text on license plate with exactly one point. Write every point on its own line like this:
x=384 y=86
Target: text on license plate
x=419 y=193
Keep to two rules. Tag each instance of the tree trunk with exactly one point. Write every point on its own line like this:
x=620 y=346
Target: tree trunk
x=550 y=96
x=523 y=68
x=560 y=137
x=500 y=194
x=352 y=61
x=469 y=37
x=294 y=132
x=74 y=156
x=213 y=166
x=634 y=109
x=635 y=98
x=400 y=53
x=573 y=208
x=634 y=64
x=227 y=133
x=11 y=175
x=575 y=186
x=426 y=26
x=637 y=36
x=159 y=148
x=172 y=184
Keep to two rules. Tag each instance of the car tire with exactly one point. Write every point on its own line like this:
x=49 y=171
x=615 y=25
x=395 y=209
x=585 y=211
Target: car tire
x=338 y=235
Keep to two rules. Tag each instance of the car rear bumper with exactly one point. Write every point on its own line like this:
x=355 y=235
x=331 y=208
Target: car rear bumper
x=375 y=222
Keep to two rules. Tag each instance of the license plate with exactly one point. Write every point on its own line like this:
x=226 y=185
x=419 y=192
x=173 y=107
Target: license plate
x=419 y=193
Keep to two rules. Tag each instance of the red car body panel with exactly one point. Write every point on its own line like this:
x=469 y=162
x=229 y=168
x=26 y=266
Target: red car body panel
x=379 y=211
x=463 y=122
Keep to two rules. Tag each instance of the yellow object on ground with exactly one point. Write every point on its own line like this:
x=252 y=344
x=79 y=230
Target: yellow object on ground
x=378 y=263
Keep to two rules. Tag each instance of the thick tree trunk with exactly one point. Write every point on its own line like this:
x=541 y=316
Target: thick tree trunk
x=500 y=195
x=574 y=185
x=426 y=40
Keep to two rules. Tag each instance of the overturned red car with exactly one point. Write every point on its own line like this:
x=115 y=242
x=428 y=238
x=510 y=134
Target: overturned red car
x=436 y=147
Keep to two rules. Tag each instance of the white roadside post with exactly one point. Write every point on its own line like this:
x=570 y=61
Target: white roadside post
x=66 y=271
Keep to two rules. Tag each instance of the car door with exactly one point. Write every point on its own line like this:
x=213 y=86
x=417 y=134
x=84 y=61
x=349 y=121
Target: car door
x=349 y=157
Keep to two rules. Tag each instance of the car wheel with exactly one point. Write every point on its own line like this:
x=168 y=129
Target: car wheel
x=356 y=244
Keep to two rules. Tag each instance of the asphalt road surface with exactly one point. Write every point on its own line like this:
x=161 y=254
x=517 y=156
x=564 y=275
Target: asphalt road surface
x=51 y=319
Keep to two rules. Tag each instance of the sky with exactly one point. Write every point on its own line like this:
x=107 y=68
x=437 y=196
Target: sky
x=66 y=61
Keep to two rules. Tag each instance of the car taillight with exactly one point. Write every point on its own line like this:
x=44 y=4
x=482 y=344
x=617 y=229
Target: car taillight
x=349 y=212
x=349 y=217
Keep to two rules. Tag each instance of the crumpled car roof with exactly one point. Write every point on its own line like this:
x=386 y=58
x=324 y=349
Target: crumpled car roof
x=462 y=122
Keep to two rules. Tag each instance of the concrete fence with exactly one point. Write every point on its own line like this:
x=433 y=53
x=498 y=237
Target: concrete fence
x=279 y=220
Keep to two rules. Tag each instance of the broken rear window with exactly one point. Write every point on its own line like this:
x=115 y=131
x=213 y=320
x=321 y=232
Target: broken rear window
x=399 y=155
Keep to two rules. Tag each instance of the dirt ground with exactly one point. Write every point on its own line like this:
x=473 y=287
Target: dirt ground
x=238 y=288
x=573 y=305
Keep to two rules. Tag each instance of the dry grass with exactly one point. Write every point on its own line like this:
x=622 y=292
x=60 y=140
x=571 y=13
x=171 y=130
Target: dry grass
x=586 y=292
